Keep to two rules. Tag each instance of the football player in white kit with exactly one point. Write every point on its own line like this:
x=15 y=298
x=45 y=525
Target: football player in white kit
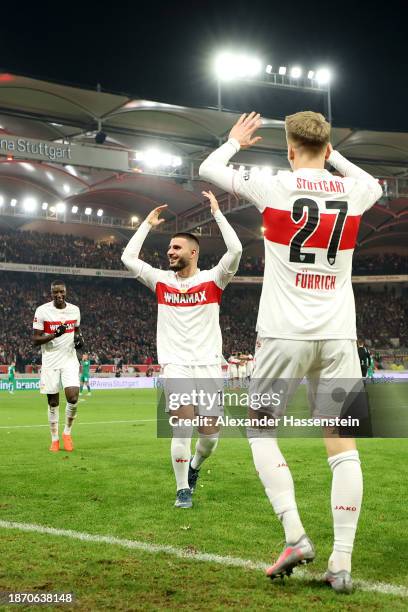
x=189 y=342
x=56 y=330
x=306 y=322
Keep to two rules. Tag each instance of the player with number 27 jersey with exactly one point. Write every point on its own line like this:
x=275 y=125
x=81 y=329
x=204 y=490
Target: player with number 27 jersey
x=311 y=220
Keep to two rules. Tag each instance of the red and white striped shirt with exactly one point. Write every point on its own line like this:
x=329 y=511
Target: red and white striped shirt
x=311 y=220
x=47 y=318
x=188 y=328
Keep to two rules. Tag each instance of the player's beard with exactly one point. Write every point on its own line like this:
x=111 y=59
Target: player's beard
x=178 y=265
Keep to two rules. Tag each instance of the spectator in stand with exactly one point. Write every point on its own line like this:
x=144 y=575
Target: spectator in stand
x=380 y=317
x=73 y=251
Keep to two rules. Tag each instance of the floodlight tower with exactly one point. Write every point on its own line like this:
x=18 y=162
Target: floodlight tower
x=249 y=70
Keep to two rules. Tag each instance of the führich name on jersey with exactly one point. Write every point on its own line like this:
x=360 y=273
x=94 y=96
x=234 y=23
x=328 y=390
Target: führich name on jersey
x=326 y=186
x=307 y=280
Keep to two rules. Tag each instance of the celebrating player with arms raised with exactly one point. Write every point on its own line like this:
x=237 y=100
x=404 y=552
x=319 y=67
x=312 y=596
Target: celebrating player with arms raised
x=306 y=323
x=189 y=343
x=56 y=330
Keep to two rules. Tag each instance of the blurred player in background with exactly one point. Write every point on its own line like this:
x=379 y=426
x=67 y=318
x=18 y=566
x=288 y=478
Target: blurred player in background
x=189 y=342
x=85 y=374
x=365 y=358
x=306 y=323
x=12 y=376
x=233 y=365
x=371 y=368
x=242 y=369
x=56 y=330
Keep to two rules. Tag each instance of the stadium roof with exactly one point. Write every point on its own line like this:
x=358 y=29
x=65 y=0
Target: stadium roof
x=36 y=109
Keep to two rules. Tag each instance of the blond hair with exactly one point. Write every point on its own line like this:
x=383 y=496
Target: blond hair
x=307 y=129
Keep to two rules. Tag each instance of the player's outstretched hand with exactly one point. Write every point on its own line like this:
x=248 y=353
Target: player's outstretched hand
x=61 y=329
x=245 y=128
x=213 y=201
x=153 y=217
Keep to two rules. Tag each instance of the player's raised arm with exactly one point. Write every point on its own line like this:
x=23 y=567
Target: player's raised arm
x=130 y=256
x=347 y=168
x=215 y=168
x=228 y=264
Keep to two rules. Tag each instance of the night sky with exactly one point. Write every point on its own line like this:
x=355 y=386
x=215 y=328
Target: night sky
x=164 y=51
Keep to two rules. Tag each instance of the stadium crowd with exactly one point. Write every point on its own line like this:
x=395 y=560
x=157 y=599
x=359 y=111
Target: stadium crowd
x=80 y=252
x=119 y=318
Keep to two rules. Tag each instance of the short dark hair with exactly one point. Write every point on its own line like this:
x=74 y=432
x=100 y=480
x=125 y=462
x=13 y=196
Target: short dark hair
x=57 y=283
x=188 y=236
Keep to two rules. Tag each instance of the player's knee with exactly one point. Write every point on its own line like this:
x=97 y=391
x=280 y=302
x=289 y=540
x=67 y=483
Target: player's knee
x=53 y=402
x=72 y=397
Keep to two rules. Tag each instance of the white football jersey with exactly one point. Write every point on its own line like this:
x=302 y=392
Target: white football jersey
x=188 y=328
x=56 y=353
x=311 y=220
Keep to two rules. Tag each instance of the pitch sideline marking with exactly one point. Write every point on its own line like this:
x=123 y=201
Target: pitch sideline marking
x=76 y=424
x=363 y=585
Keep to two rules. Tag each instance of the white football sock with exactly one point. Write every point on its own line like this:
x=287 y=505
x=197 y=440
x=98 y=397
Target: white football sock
x=180 y=457
x=277 y=480
x=206 y=445
x=53 y=419
x=70 y=414
x=346 y=498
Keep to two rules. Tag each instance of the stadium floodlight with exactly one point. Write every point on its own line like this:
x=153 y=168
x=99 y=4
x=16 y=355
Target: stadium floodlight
x=74 y=209
x=61 y=207
x=152 y=158
x=44 y=205
x=229 y=66
x=66 y=188
x=263 y=229
x=29 y=204
x=268 y=69
x=176 y=161
x=296 y=72
x=13 y=202
x=323 y=76
x=99 y=212
x=311 y=74
x=135 y=219
x=88 y=210
x=1 y=200
x=282 y=70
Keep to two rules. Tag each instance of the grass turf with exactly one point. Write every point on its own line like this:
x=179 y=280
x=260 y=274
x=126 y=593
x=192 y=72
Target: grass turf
x=119 y=482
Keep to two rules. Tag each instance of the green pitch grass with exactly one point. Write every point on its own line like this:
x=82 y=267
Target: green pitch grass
x=119 y=482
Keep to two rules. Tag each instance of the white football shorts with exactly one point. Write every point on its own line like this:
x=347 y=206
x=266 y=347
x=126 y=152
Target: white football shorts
x=331 y=367
x=198 y=385
x=52 y=379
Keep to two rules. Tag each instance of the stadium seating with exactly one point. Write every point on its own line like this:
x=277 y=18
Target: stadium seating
x=119 y=317
x=68 y=250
